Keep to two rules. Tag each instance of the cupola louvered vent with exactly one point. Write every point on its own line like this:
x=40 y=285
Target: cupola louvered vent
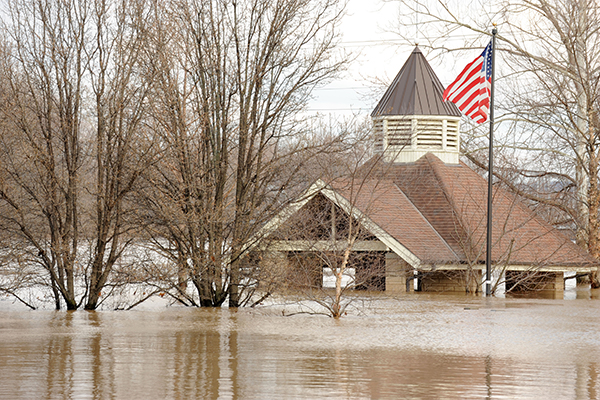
x=406 y=139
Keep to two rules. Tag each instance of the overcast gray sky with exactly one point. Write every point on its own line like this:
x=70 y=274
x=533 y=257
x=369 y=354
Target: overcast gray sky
x=377 y=53
x=367 y=33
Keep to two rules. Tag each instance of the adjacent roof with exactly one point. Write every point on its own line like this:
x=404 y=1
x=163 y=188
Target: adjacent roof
x=416 y=90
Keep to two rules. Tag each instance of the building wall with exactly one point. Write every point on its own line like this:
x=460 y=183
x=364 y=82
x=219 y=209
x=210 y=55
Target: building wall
x=522 y=281
x=305 y=269
x=396 y=270
x=450 y=281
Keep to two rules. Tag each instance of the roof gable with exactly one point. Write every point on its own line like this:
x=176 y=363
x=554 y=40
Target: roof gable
x=357 y=207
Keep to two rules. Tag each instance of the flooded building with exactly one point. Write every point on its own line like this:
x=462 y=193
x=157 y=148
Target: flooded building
x=414 y=216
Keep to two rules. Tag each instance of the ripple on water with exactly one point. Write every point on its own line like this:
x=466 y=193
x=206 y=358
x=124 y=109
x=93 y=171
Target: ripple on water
x=423 y=347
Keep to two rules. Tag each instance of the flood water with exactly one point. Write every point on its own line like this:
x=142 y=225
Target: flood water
x=416 y=346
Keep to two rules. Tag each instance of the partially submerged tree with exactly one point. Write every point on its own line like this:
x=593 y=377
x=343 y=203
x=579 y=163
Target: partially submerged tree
x=42 y=137
x=123 y=147
x=61 y=52
x=230 y=82
x=322 y=238
x=327 y=238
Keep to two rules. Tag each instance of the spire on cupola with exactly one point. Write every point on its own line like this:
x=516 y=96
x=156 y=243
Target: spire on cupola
x=412 y=119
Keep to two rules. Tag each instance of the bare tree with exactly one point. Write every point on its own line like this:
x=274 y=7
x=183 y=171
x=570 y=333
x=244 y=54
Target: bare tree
x=43 y=151
x=322 y=234
x=122 y=146
x=332 y=241
x=229 y=82
x=61 y=52
x=274 y=79
x=551 y=110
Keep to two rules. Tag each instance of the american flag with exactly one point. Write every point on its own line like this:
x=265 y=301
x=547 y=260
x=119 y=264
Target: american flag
x=471 y=90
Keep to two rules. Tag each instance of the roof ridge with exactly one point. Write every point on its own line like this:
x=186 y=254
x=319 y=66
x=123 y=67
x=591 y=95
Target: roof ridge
x=426 y=220
x=461 y=235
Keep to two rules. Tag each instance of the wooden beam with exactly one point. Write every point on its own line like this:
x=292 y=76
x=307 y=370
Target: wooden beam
x=322 y=245
x=520 y=268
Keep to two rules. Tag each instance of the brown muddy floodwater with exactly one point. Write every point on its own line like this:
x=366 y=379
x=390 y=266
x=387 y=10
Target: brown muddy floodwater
x=416 y=347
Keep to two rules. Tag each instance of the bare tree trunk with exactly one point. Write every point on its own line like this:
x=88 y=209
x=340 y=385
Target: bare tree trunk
x=583 y=179
x=594 y=198
x=339 y=274
x=121 y=154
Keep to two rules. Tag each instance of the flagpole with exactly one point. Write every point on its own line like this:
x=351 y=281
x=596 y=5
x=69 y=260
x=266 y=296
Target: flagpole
x=488 y=256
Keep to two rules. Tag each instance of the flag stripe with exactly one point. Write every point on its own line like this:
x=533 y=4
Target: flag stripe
x=471 y=89
x=465 y=76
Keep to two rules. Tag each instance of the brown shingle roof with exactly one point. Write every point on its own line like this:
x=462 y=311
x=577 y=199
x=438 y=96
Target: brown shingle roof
x=452 y=199
x=416 y=90
x=437 y=212
x=387 y=206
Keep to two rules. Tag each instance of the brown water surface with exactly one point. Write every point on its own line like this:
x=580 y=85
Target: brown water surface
x=416 y=346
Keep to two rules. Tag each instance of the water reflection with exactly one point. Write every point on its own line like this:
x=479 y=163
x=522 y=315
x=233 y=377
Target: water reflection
x=101 y=359
x=203 y=359
x=488 y=377
x=413 y=347
x=59 y=357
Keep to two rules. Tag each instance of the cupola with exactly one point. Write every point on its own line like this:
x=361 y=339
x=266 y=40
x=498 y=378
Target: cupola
x=412 y=118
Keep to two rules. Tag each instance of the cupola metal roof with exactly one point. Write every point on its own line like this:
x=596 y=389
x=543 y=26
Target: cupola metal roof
x=416 y=90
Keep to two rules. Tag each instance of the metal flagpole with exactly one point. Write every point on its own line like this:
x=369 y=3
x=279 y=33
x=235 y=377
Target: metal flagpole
x=488 y=256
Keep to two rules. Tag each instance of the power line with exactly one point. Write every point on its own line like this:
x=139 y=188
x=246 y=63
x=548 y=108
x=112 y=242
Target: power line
x=382 y=42
x=372 y=41
x=364 y=43
x=340 y=109
x=347 y=88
